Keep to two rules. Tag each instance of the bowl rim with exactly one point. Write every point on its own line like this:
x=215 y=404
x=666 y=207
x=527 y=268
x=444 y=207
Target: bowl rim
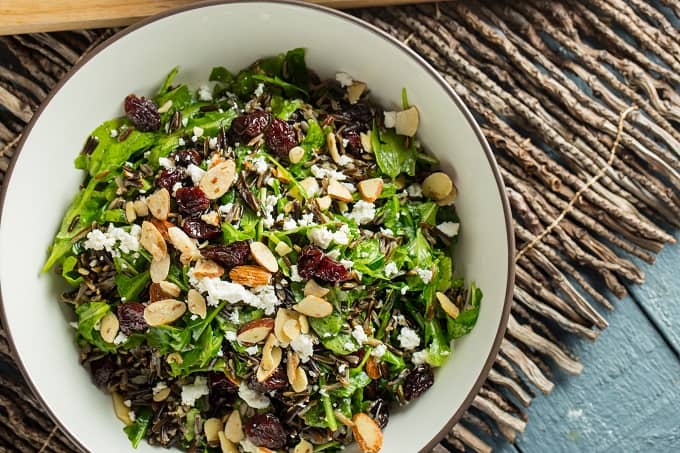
x=510 y=237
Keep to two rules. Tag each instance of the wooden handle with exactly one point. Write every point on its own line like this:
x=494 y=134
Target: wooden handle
x=30 y=16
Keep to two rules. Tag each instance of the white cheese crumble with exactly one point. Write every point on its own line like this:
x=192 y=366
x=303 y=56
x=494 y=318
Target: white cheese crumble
x=306 y=220
x=254 y=399
x=204 y=93
x=303 y=345
x=165 y=162
x=176 y=187
x=347 y=263
x=259 y=90
x=424 y=274
x=404 y=289
x=252 y=350
x=225 y=208
x=198 y=131
x=294 y=275
x=180 y=141
x=262 y=297
x=391 y=269
x=386 y=231
x=379 y=351
x=344 y=79
x=345 y=160
x=248 y=447
x=120 y=338
x=390 y=119
x=114 y=240
x=268 y=207
x=266 y=299
x=195 y=173
x=192 y=392
x=289 y=224
x=349 y=186
x=419 y=357
x=113 y=133
x=400 y=320
x=359 y=334
x=342 y=368
x=320 y=236
x=408 y=338
x=449 y=228
x=321 y=173
x=212 y=142
x=132 y=416
x=127 y=403
x=414 y=191
x=260 y=165
x=185 y=121
x=230 y=335
x=158 y=387
x=362 y=212
x=341 y=236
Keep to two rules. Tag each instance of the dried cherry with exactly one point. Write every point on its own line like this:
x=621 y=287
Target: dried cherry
x=265 y=430
x=143 y=113
x=191 y=200
x=418 y=381
x=131 y=318
x=102 y=370
x=168 y=177
x=199 y=229
x=228 y=256
x=280 y=137
x=245 y=127
x=353 y=138
x=312 y=263
x=277 y=380
x=380 y=412
x=222 y=391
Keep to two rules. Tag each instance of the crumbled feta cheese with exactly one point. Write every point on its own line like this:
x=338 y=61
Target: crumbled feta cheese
x=303 y=345
x=345 y=142
x=165 y=162
x=306 y=220
x=419 y=357
x=320 y=236
x=230 y=335
x=132 y=416
x=225 y=208
x=180 y=141
x=362 y=212
x=400 y=320
x=266 y=299
x=349 y=346
x=252 y=350
x=424 y=274
x=259 y=89
x=222 y=290
x=198 y=131
x=254 y=399
x=114 y=240
x=212 y=142
x=321 y=173
x=408 y=338
x=391 y=269
x=333 y=254
x=158 y=387
x=260 y=165
x=414 y=191
x=268 y=208
x=341 y=236
x=192 y=392
x=349 y=186
x=345 y=160
x=390 y=119
x=120 y=338
x=73 y=324
x=193 y=317
x=404 y=289
x=379 y=351
x=127 y=403
x=185 y=121
x=204 y=93
x=113 y=133
x=449 y=228
x=195 y=173
x=289 y=224
x=294 y=275
x=359 y=334
x=386 y=231
x=176 y=186
x=234 y=317
x=344 y=79
x=347 y=263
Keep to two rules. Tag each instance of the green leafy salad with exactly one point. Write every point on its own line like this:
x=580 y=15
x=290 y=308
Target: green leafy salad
x=262 y=264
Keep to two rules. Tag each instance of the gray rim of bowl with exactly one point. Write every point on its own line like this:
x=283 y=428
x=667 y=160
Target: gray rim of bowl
x=447 y=88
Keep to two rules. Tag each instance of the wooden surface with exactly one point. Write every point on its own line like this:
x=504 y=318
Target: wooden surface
x=30 y=16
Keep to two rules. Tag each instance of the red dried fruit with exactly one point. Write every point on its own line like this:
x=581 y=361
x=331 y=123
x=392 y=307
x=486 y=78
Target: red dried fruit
x=312 y=263
x=143 y=113
x=280 y=137
x=265 y=430
x=417 y=382
x=185 y=157
x=222 y=392
x=102 y=370
x=156 y=293
x=353 y=145
x=131 y=318
x=191 y=200
x=228 y=256
x=361 y=114
x=168 y=177
x=379 y=411
x=276 y=381
x=200 y=230
x=245 y=127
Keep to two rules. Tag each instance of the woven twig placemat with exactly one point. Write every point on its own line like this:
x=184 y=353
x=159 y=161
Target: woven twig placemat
x=548 y=82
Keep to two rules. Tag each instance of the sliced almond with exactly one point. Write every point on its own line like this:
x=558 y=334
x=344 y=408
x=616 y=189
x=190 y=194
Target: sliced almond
x=170 y=289
x=249 y=275
x=344 y=420
x=366 y=141
x=280 y=176
x=255 y=331
x=312 y=288
x=159 y=269
x=370 y=189
x=162 y=394
x=226 y=445
x=165 y=107
x=367 y=433
x=310 y=185
x=338 y=192
x=109 y=327
x=449 y=199
x=152 y=240
x=233 y=428
x=324 y=202
x=141 y=209
x=437 y=186
x=342 y=207
x=314 y=307
x=130 y=213
x=164 y=312
x=184 y=244
x=449 y=307
x=217 y=181
x=372 y=368
x=159 y=204
x=196 y=303
x=162 y=227
x=282 y=248
x=283 y=315
x=406 y=122
x=207 y=268
x=304 y=324
x=296 y=375
x=211 y=218
x=296 y=154
x=264 y=257
x=292 y=329
x=354 y=91
x=263 y=373
x=211 y=427
x=304 y=447
x=271 y=354
x=332 y=146
x=300 y=381
x=156 y=293
x=121 y=410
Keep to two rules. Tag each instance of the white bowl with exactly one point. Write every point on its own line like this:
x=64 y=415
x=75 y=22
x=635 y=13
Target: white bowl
x=198 y=37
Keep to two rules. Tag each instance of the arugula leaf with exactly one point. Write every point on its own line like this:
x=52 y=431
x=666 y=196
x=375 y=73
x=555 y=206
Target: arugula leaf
x=467 y=318
x=130 y=287
x=439 y=348
x=368 y=258
x=276 y=81
x=221 y=74
x=246 y=229
x=356 y=382
x=284 y=108
x=392 y=156
x=296 y=68
x=168 y=81
x=190 y=431
x=179 y=96
x=342 y=344
x=68 y=271
x=90 y=314
x=137 y=430
x=168 y=338
x=196 y=359
x=420 y=252
x=315 y=137
x=328 y=326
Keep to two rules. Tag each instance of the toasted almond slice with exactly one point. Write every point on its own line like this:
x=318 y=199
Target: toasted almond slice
x=264 y=257
x=366 y=141
x=162 y=227
x=314 y=307
x=165 y=107
x=292 y=329
x=163 y=312
x=372 y=368
x=342 y=419
x=217 y=181
x=233 y=429
x=449 y=307
x=196 y=303
x=109 y=327
x=312 y=288
x=211 y=427
x=288 y=207
x=211 y=218
x=449 y=199
x=304 y=324
x=162 y=394
x=249 y=275
x=338 y=191
x=280 y=176
x=332 y=146
x=354 y=91
x=156 y=293
x=300 y=382
x=159 y=203
x=282 y=248
x=296 y=154
x=255 y=331
x=226 y=445
x=310 y=185
x=130 y=213
x=208 y=268
x=159 y=269
x=370 y=189
x=304 y=447
x=324 y=202
x=184 y=244
x=121 y=410
x=152 y=240
x=269 y=359
x=367 y=433
x=263 y=373
x=283 y=315
x=141 y=209
x=293 y=361
x=170 y=289
x=437 y=186
x=406 y=122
